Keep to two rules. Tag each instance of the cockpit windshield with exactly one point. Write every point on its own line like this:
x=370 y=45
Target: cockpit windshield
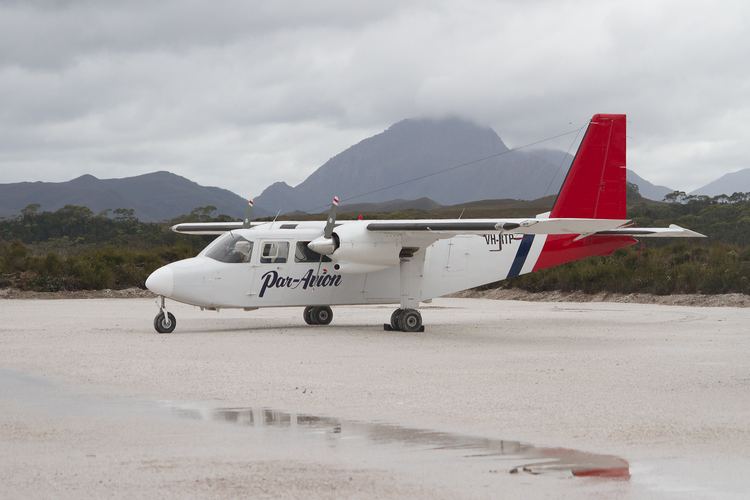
x=230 y=248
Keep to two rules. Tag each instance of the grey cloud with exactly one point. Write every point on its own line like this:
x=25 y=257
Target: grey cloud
x=241 y=94
x=54 y=34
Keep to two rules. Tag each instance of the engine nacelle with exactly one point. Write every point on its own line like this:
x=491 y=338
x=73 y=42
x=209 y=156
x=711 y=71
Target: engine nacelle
x=361 y=251
x=356 y=268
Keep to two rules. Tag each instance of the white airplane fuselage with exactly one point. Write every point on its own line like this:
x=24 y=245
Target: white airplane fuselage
x=450 y=265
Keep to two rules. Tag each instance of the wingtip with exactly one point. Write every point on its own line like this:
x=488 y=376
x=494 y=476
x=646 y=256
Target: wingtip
x=688 y=232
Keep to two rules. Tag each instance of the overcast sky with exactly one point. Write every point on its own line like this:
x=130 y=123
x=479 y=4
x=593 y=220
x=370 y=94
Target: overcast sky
x=240 y=94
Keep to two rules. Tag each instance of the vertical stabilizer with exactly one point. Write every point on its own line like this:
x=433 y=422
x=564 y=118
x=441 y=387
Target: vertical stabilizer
x=595 y=187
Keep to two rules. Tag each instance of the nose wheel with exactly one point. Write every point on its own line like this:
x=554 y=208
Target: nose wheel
x=164 y=322
x=405 y=320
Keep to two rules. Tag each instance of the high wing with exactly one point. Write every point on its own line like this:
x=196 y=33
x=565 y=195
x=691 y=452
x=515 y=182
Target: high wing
x=207 y=227
x=446 y=228
x=422 y=230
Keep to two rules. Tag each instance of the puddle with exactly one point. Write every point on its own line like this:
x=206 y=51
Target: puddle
x=508 y=456
x=287 y=435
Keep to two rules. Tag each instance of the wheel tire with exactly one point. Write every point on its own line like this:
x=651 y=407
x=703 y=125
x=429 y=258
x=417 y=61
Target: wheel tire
x=322 y=315
x=165 y=324
x=395 y=319
x=410 y=320
x=308 y=315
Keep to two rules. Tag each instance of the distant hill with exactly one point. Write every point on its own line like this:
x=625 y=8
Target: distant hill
x=428 y=209
x=646 y=189
x=391 y=205
x=419 y=148
x=415 y=148
x=486 y=209
x=154 y=197
x=734 y=182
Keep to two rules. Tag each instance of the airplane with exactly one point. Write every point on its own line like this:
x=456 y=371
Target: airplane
x=317 y=264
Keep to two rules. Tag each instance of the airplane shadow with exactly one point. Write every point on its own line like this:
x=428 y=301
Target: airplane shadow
x=439 y=332
x=348 y=328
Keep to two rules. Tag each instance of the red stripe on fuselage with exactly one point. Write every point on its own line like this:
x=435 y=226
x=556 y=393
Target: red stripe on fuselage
x=561 y=248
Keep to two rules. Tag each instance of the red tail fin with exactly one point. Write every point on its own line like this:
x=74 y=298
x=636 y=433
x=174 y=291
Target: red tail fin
x=594 y=188
x=595 y=185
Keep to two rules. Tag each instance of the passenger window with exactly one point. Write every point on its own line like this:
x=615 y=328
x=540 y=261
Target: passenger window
x=274 y=252
x=304 y=254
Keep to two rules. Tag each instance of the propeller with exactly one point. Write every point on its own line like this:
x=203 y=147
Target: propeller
x=248 y=214
x=328 y=231
x=325 y=245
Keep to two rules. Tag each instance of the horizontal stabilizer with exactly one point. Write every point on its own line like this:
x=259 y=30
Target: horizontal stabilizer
x=673 y=231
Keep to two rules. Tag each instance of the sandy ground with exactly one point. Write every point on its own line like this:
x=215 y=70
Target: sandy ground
x=88 y=396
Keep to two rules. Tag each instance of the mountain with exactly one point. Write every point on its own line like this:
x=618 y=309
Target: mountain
x=392 y=205
x=421 y=148
x=646 y=189
x=735 y=182
x=156 y=196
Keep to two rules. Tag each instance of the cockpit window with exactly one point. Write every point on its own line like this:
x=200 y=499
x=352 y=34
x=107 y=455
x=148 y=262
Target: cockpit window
x=230 y=248
x=274 y=252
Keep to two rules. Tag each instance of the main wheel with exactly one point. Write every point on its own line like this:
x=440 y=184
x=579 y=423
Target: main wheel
x=395 y=317
x=410 y=320
x=322 y=315
x=165 y=324
x=307 y=314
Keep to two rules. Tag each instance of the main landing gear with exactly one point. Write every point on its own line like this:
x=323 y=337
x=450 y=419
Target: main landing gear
x=405 y=320
x=164 y=322
x=318 y=315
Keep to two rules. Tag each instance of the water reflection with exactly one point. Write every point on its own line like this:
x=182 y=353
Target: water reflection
x=526 y=458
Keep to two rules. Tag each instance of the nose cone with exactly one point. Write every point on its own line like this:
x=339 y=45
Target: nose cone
x=161 y=281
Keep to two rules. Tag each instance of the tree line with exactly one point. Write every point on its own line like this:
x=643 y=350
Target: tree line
x=74 y=249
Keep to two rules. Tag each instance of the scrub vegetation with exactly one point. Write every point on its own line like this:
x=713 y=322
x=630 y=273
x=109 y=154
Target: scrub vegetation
x=75 y=249
x=717 y=264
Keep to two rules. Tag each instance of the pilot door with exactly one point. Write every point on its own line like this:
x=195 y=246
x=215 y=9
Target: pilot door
x=231 y=285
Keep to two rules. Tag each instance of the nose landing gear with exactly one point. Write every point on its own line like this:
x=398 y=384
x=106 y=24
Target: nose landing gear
x=164 y=322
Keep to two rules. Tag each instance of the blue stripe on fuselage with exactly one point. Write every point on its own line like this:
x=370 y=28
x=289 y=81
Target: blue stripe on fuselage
x=523 y=252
